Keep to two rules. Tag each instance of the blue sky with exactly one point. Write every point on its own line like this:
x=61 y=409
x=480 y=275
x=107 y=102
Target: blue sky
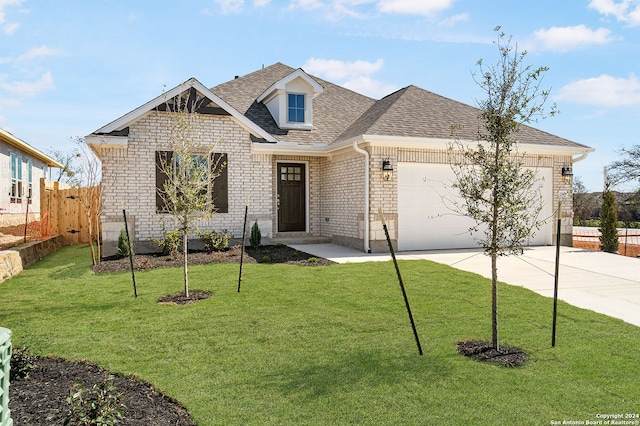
x=68 y=67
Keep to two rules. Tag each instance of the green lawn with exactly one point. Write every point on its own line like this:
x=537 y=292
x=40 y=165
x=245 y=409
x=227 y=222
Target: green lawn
x=328 y=345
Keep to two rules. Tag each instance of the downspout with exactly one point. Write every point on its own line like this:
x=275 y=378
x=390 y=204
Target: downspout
x=359 y=150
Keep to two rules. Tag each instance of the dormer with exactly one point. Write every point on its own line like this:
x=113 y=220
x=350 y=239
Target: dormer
x=290 y=100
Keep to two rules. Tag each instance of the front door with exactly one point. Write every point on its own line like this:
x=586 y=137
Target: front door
x=291 y=197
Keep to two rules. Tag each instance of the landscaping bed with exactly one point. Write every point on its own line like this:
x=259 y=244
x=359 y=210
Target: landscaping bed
x=264 y=254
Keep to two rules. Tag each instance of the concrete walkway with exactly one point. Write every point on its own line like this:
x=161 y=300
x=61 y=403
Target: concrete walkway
x=601 y=282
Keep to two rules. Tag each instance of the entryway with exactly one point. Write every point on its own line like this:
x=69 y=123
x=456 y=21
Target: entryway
x=291 y=202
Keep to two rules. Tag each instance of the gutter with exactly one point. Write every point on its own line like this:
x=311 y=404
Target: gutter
x=359 y=150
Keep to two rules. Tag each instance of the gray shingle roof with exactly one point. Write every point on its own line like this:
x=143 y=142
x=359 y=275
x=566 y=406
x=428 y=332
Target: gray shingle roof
x=340 y=114
x=333 y=110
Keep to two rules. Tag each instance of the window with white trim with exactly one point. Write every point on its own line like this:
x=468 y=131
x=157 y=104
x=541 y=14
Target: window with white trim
x=295 y=108
x=17 y=190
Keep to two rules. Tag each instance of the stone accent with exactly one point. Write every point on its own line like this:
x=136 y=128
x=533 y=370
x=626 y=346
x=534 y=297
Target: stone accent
x=13 y=261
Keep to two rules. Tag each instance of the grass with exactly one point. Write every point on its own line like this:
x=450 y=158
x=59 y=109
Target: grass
x=327 y=345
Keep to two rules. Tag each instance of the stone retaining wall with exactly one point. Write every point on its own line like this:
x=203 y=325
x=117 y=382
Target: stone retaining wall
x=13 y=261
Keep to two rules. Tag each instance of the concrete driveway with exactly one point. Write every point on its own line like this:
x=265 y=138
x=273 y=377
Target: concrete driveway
x=601 y=282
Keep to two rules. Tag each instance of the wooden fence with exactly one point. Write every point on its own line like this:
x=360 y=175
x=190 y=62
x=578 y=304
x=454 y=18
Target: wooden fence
x=63 y=211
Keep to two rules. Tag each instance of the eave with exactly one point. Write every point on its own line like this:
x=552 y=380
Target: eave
x=25 y=147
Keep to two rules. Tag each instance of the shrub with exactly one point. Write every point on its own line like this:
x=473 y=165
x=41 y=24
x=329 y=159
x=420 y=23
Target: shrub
x=171 y=242
x=214 y=241
x=312 y=259
x=256 y=237
x=21 y=364
x=102 y=405
x=608 y=220
x=124 y=247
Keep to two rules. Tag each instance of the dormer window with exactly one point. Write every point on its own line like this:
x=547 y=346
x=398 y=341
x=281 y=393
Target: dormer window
x=296 y=108
x=290 y=100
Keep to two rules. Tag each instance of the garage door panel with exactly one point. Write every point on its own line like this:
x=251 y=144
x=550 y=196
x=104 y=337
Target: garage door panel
x=426 y=217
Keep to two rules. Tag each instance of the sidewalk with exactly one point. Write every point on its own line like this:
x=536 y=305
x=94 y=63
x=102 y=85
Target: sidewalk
x=601 y=282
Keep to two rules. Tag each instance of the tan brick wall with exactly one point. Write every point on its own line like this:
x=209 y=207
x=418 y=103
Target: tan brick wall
x=342 y=195
x=129 y=175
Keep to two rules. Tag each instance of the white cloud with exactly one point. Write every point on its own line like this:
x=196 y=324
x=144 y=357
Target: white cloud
x=563 y=39
x=603 y=91
x=354 y=75
x=370 y=87
x=261 y=3
x=625 y=11
x=38 y=52
x=10 y=27
x=28 y=89
x=414 y=7
x=333 y=69
x=230 y=6
x=334 y=9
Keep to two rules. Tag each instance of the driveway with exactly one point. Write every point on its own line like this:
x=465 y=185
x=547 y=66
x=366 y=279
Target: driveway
x=601 y=282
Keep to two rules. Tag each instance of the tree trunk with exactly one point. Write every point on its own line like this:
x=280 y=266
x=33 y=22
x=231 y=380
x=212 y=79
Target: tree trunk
x=186 y=271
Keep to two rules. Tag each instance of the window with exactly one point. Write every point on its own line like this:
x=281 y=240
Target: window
x=296 y=108
x=219 y=187
x=17 y=190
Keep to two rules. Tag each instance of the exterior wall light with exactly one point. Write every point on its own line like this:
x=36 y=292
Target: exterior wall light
x=387 y=169
x=567 y=173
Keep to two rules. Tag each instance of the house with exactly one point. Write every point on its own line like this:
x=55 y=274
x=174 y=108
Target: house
x=310 y=154
x=22 y=167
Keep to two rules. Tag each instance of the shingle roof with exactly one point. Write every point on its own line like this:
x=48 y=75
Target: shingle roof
x=340 y=114
x=333 y=110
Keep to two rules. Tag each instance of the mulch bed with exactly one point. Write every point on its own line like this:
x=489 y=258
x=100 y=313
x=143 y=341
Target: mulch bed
x=40 y=399
x=484 y=351
x=265 y=254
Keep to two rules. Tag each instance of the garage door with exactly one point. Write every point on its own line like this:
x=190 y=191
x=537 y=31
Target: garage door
x=426 y=218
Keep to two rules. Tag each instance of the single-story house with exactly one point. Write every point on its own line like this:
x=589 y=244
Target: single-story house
x=310 y=154
x=22 y=167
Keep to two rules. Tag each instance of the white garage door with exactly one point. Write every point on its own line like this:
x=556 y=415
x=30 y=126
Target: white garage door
x=426 y=219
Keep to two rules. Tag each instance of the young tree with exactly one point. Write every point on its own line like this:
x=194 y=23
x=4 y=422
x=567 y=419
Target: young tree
x=189 y=170
x=608 y=221
x=89 y=172
x=627 y=168
x=502 y=196
x=70 y=174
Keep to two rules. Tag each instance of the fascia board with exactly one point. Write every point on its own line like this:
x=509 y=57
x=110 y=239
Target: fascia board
x=281 y=84
x=443 y=144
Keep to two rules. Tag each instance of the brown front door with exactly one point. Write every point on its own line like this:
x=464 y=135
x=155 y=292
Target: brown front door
x=291 y=197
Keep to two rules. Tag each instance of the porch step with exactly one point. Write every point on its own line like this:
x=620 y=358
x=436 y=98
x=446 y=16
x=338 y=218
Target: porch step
x=298 y=238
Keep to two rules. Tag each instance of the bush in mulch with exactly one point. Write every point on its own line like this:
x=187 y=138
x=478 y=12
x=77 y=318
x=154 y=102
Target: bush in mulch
x=483 y=351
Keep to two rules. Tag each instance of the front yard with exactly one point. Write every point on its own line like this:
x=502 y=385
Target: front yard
x=328 y=344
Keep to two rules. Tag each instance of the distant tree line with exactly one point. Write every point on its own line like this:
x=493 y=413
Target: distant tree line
x=588 y=205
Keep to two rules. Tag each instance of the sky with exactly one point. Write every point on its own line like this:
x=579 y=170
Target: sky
x=69 y=67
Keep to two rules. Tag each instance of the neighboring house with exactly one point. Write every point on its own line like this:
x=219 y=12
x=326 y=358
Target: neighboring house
x=21 y=167
x=310 y=154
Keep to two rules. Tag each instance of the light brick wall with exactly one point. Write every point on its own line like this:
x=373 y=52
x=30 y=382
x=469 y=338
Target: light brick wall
x=129 y=177
x=342 y=196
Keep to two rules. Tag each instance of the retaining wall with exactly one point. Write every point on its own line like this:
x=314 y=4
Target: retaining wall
x=13 y=261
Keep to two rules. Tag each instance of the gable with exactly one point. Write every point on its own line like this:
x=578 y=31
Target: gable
x=290 y=100
x=191 y=94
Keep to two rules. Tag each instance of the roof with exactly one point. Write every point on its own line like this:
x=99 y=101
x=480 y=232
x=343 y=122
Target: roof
x=340 y=114
x=333 y=110
x=25 y=147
